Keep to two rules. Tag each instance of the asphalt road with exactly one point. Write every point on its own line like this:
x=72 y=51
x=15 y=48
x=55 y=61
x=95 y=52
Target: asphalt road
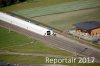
x=59 y=41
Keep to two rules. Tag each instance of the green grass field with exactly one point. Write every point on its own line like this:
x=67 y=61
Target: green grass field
x=59 y=8
x=15 y=42
x=77 y=11
x=31 y=9
x=65 y=21
x=32 y=4
x=11 y=38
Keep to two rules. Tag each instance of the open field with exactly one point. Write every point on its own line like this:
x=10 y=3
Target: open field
x=65 y=21
x=11 y=38
x=63 y=16
x=32 y=4
x=58 y=8
x=12 y=41
x=60 y=14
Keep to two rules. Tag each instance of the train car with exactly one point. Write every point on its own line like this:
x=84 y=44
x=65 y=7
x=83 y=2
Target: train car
x=25 y=24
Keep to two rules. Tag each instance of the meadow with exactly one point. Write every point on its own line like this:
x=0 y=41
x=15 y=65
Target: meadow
x=15 y=42
x=58 y=8
x=58 y=14
x=32 y=4
x=65 y=21
x=62 y=16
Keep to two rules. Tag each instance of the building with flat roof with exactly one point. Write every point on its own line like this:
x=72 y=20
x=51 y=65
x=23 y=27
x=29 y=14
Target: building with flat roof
x=90 y=27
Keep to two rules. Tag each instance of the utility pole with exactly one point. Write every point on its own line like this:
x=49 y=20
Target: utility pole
x=9 y=29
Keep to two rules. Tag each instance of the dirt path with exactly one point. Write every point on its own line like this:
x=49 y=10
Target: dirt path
x=33 y=54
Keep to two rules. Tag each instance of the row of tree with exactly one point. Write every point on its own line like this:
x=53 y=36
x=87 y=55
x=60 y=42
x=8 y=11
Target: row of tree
x=4 y=3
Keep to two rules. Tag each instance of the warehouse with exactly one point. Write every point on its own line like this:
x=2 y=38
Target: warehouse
x=91 y=28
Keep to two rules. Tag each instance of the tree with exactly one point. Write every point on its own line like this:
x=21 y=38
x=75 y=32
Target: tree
x=8 y=2
x=22 y=0
x=3 y=2
x=1 y=5
x=13 y=1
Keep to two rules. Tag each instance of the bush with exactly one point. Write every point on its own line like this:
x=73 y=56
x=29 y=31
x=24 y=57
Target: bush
x=4 y=3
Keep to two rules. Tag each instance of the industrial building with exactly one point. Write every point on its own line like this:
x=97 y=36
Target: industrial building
x=91 y=28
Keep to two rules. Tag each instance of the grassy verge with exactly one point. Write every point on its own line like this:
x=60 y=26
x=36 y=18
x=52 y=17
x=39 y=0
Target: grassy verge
x=38 y=48
x=11 y=38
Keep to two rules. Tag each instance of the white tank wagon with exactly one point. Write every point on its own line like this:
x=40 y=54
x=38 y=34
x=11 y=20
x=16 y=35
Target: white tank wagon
x=26 y=25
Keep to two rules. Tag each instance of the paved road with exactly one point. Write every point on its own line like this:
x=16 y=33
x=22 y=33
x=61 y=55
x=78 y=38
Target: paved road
x=59 y=41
